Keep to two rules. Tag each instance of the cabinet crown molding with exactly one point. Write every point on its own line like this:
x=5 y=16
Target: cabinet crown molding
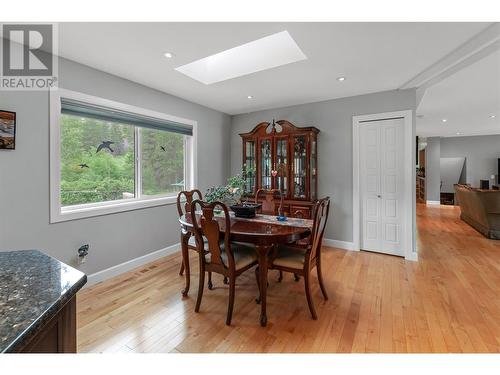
x=286 y=128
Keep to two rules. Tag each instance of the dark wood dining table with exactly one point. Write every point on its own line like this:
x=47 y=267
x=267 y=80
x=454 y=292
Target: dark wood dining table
x=263 y=231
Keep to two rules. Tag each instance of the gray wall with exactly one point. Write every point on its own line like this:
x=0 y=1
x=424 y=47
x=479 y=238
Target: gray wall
x=334 y=119
x=451 y=170
x=116 y=238
x=481 y=154
x=432 y=169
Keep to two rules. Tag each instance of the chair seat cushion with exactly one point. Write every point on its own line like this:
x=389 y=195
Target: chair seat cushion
x=290 y=257
x=192 y=241
x=244 y=255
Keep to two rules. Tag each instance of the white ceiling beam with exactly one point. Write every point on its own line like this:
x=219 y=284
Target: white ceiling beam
x=463 y=64
x=420 y=95
x=479 y=46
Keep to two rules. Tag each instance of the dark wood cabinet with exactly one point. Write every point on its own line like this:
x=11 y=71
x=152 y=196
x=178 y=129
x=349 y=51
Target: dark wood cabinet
x=283 y=156
x=58 y=335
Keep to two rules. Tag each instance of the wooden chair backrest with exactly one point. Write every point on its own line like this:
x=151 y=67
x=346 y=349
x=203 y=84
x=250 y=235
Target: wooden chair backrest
x=269 y=202
x=185 y=209
x=299 y=214
x=321 y=211
x=208 y=226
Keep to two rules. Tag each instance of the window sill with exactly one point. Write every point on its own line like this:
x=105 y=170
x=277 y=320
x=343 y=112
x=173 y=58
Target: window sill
x=92 y=210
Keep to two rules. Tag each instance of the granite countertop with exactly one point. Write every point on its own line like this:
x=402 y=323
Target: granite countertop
x=33 y=288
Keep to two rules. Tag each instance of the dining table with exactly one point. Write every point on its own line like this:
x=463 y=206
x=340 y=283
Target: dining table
x=263 y=231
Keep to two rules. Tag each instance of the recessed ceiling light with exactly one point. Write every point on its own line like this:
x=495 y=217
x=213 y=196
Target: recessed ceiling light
x=493 y=116
x=340 y=79
x=168 y=55
x=269 y=52
x=444 y=120
x=249 y=97
x=458 y=133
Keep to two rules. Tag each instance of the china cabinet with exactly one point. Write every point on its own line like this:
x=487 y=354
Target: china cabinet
x=279 y=155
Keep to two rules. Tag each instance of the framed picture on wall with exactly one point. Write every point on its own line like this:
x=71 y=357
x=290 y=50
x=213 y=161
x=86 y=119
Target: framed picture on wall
x=7 y=130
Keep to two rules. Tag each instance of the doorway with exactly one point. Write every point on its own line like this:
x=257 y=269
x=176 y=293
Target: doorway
x=383 y=208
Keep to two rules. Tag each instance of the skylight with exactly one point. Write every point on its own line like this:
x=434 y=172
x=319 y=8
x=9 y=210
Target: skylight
x=261 y=54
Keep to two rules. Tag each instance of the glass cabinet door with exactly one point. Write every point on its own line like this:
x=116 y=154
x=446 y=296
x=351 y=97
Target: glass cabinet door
x=250 y=166
x=281 y=165
x=299 y=167
x=313 y=171
x=265 y=164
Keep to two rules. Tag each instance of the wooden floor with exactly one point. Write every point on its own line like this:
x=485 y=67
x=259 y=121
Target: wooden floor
x=448 y=301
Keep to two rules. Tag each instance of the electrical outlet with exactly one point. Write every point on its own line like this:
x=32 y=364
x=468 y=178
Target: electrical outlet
x=83 y=251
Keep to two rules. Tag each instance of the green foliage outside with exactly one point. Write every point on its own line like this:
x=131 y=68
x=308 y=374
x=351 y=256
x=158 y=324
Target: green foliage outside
x=111 y=175
x=162 y=171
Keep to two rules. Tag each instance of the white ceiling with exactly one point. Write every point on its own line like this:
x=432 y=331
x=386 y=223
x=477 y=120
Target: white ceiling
x=466 y=100
x=372 y=56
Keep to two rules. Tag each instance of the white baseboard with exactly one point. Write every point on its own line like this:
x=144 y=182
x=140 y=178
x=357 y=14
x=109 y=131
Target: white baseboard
x=338 y=244
x=413 y=256
x=113 y=271
x=130 y=264
x=350 y=246
x=433 y=202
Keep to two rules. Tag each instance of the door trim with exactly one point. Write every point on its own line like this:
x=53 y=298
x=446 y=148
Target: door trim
x=408 y=231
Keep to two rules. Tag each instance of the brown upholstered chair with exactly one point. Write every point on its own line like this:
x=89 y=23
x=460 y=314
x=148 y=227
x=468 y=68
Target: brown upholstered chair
x=184 y=201
x=301 y=260
x=220 y=256
x=269 y=203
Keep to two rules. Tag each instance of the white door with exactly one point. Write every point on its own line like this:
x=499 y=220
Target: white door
x=381 y=185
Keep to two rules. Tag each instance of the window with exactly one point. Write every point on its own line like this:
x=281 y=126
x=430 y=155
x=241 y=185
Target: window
x=91 y=176
x=108 y=157
x=162 y=163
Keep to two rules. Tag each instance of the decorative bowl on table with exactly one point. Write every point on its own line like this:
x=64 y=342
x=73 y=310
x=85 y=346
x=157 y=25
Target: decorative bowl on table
x=246 y=210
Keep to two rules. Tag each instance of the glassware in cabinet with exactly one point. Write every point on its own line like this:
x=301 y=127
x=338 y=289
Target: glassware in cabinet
x=266 y=164
x=299 y=167
x=249 y=166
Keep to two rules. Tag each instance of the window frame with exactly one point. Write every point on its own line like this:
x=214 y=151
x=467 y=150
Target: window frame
x=60 y=214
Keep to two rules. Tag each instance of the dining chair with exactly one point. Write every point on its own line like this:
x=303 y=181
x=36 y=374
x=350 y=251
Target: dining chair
x=221 y=256
x=302 y=259
x=300 y=215
x=304 y=241
x=269 y=208
x=184 y=202
x=269 y=202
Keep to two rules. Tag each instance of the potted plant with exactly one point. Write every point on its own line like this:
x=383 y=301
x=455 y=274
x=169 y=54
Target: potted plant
x=233 y=194
x=237 y=187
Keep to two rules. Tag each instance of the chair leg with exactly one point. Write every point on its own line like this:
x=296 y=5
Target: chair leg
x=225 y=281
x=308 y=296
x=181 y=271
x=320 y=278
x=297 y=277
x=232 y=285
x=210 y=285
x=257 y=277
x=200 y=286
x=280 y=277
